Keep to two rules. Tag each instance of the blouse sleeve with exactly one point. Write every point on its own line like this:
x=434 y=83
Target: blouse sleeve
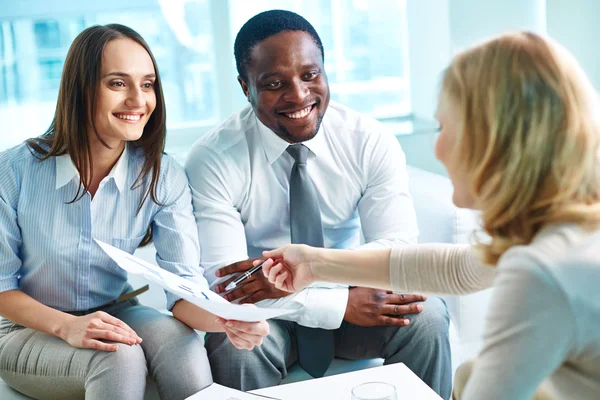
x=10 y=233
x=442 y=269
x=175 y=233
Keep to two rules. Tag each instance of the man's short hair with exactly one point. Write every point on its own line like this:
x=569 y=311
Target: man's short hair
x=263 y=26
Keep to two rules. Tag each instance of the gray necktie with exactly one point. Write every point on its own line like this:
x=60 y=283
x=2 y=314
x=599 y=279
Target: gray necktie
x=315 y=346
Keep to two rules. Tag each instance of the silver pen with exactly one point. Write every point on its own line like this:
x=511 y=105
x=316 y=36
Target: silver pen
x=235 y=283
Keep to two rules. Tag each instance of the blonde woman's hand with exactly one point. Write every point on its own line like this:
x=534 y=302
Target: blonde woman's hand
x=290 y=268
x=92 y=331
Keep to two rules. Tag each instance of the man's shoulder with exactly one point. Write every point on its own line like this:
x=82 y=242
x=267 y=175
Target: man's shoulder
x=228 y=135
x=354 y=122
x=225 y=145
x=357 y=132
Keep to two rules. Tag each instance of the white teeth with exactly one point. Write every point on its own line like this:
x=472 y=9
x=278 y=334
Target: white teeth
x=299 y=114
x=128 y=117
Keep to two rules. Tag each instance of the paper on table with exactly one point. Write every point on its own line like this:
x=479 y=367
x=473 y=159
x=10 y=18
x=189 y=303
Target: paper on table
x=189 y=290
x=218 y=392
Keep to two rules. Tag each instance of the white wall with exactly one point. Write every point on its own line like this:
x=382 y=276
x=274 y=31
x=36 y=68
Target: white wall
x=429 y=51
x=440 y=28
x=574 y=23
x=472 y=21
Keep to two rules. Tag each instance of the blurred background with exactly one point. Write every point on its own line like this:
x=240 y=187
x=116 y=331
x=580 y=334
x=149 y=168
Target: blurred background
x=383 y=57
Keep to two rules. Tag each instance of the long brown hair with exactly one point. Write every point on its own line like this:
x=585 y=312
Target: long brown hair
x=529 y=138
x=79 y=84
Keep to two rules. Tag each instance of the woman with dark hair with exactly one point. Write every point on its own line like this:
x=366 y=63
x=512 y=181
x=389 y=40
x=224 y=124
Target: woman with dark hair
x=72 y=326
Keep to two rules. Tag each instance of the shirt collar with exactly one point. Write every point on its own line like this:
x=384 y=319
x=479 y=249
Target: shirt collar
x=66 y=171
x=274 y=146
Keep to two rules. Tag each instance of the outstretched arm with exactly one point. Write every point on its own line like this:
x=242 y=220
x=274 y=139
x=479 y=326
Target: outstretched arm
x=425 y=268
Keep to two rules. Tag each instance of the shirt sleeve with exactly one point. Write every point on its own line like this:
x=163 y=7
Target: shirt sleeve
x=175 y=235
x=10 y=233
x=317 y=307
x=216 y=186
x=386 y=209
x=529 y=332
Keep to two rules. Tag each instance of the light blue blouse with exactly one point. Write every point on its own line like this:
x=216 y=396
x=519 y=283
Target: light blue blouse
x=46 y=244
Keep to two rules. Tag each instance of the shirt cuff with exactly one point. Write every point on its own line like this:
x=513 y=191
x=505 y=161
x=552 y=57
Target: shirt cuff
x=9 y=284
x=173 y=298
x=325 y=308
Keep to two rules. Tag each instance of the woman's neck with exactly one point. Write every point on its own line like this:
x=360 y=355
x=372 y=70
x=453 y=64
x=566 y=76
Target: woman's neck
x=103 y=160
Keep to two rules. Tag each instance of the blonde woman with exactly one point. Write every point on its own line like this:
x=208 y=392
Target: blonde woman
x=520 y=141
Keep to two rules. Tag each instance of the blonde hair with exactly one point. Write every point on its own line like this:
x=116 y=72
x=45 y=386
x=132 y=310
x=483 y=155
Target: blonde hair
x=528 y=137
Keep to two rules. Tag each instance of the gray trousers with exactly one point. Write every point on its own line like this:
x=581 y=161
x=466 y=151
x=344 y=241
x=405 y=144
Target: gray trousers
x=423 y=346
x=43 y=366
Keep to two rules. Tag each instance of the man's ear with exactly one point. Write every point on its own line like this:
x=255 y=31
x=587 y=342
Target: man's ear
x=245 y=88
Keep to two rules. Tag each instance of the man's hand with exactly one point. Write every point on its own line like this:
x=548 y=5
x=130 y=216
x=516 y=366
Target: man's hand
x=373 y=307
x=253 y=290
x=93 y=330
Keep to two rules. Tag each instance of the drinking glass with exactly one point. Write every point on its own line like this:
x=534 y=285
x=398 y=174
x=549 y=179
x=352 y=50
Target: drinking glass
x=374 y=391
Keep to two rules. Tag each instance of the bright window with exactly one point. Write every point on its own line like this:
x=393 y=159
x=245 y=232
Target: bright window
x=365 y=48
x=365 y=57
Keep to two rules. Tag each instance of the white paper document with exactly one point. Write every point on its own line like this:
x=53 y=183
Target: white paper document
x=218 y=392
x=189 y=290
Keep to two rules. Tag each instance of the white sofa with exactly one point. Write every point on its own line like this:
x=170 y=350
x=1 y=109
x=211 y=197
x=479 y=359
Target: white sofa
x=439 y=221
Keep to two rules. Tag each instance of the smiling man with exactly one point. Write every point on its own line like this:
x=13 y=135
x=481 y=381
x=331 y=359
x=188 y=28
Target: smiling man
x=293 y=167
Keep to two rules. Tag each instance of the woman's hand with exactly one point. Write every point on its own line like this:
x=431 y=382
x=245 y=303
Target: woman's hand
x=91 y=331
x=291 y=268
x=245 y=335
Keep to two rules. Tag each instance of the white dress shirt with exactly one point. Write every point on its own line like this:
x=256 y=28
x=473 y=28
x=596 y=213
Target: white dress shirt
x=239 y=174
